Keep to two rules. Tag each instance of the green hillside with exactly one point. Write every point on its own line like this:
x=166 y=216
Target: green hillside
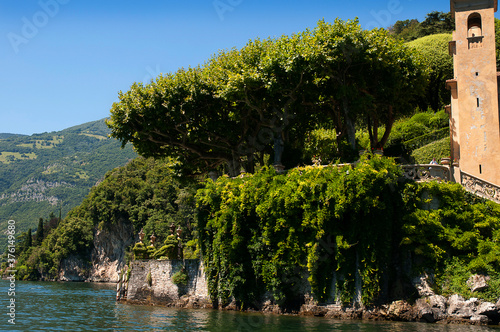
x=53 y=172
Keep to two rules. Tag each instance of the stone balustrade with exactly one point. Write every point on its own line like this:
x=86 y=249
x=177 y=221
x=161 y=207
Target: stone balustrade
x=426 y=172
x=480 y=187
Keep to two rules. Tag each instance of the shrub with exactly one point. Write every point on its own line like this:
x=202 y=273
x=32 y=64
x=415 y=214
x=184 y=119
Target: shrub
x=321 y=144
x=453 y=233
x=438 y=149
x=180 y=278
x=151 y=250
x=421 y=129
x=454 y=281
x=140 y=251
x=434 y=50
x=191 y=250
x=169 y=250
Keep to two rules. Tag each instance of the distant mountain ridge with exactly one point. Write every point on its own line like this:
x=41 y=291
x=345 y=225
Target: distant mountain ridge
x=52 y=172
x=7 y=135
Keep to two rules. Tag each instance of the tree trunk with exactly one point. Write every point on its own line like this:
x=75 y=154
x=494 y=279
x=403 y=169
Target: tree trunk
x=279 y=146
x=351 y=131
x=234 y=167
x=250 y=165
x=370 y=132
x=388 y=128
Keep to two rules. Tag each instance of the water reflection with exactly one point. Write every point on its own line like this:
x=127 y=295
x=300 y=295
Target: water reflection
x=158 y=318
x=142 y=318
x=92 y=307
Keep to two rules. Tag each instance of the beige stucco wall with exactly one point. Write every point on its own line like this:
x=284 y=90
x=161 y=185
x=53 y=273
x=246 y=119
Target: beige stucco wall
x=475 y=117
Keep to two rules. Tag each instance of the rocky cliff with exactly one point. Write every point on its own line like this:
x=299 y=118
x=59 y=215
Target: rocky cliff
x=106 y=259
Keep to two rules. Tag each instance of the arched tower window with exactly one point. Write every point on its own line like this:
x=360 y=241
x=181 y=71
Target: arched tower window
x=474 y=25
x=475 y=31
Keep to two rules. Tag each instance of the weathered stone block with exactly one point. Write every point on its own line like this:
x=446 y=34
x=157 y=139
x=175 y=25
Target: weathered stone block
x=423 y=284
x=488 y=309
x=480 y=320
x=424 y=311
x=478 y=283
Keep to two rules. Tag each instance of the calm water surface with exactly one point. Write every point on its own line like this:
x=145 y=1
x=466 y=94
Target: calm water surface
x=50 y=306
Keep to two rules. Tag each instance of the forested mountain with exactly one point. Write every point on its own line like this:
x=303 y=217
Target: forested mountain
x=51 y=173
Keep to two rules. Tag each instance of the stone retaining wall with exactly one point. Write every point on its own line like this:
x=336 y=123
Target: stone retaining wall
x=158 y=288
x=150 y=282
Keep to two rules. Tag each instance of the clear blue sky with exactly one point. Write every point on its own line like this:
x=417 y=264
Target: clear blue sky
x=63 y=62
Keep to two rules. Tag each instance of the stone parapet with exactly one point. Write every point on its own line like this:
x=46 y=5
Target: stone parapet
x=480 y=187
x=150 y=282
x=427 y=172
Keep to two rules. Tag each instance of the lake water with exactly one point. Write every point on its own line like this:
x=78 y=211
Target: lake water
x=51 y=306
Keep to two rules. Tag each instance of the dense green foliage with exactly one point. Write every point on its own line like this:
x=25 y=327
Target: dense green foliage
x=266 y=232
x=168 y=250
x=439 y=149
x=180 y=277
x=455 y=234
x=148 y=193
x=415 y=138
x=67 y=164
x=321 y=146
x=271 y=93
x=439 y=63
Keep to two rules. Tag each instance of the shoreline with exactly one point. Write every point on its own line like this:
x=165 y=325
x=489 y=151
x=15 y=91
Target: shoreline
x=150 y=282
x=482 y=314
x=435 y=309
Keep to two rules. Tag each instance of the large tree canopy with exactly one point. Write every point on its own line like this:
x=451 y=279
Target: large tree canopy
x=365 y=76
x=175 y=115
x=235 y=105
x=268 y=94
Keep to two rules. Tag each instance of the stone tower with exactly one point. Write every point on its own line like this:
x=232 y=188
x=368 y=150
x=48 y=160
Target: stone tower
x=474 y=113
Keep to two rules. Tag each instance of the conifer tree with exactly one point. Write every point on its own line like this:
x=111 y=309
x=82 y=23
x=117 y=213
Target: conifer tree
x=39 y=232
x=29 y=240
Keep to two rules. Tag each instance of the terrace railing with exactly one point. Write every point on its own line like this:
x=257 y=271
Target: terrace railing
x=480 y=187
x=436 y=172
x=426 y=172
